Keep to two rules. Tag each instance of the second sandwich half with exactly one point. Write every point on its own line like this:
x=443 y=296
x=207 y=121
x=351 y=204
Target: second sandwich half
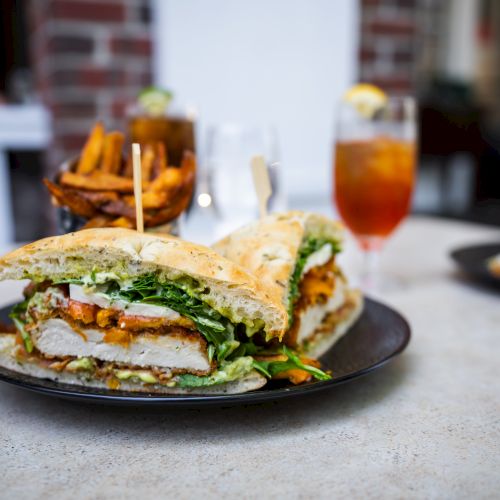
x=293 y=255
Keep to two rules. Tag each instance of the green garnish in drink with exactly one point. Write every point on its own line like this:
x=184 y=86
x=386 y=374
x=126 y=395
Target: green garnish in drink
x=154 y=100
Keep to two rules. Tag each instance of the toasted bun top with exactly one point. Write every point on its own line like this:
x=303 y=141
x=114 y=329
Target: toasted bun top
x=229 y=288
x=268 y=247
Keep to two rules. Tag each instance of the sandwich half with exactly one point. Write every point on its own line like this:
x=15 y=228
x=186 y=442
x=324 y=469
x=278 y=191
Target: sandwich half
x=293 y=254
x=124 y=310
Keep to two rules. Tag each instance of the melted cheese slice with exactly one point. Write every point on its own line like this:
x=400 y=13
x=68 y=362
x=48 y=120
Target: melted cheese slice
x=318 y=258
x=55 y=337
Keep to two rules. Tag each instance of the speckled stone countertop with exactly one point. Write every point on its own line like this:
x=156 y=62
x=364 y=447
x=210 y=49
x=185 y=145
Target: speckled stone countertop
x=425 y=426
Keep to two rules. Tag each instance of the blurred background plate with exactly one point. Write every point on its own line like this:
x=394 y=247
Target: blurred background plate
x=380 y=334
x=473 y=260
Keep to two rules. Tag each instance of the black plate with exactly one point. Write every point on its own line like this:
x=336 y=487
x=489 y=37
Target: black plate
x=473 y=261
x=379 y=334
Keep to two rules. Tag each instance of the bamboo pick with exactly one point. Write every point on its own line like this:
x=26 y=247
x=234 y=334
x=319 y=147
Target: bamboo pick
x=261 y=182
x=136 y=163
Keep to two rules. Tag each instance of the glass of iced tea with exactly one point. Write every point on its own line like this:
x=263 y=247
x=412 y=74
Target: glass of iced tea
x=153 y=118
x=176 y=132
x=374 y=171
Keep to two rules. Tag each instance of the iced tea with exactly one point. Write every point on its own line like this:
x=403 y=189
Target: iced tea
x=373 y=184
x=176 y=132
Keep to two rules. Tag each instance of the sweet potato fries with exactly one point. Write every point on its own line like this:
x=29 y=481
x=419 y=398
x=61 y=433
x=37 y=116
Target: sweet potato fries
x=100 y=186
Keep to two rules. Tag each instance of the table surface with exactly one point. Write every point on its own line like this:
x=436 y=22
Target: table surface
x=425 y=426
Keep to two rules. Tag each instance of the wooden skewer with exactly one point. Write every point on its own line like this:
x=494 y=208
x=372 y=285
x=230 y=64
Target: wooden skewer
x=262 y=183
x=136 y=163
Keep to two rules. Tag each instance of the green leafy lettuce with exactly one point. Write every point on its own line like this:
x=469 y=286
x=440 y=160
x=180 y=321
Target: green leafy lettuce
x=217 y=330
x=272 y=368
x=233 y=370
x=227 y=372
x=308 y=247
x=18 y=316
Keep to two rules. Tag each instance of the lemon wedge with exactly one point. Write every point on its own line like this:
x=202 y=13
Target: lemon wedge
x=366 y=98
x=154 y=100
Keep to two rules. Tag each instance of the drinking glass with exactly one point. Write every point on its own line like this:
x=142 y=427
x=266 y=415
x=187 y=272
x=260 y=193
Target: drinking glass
x=175 y=128
x=374 y=164
x=229 y=149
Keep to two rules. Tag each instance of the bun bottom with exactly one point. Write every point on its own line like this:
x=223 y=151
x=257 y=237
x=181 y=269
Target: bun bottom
x=332 y=330
x=249 y=382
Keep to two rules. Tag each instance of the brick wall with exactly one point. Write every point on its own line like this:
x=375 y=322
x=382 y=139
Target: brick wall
x=90 y=58
x=389 y=44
